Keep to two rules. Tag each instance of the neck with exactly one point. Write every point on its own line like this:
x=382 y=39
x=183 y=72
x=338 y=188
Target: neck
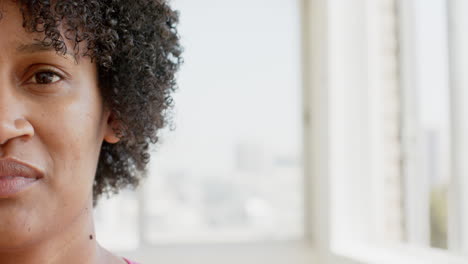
x=74 y=244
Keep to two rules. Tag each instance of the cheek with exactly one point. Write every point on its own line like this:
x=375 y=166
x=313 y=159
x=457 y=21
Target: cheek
x=71 y=135
x=67 y=141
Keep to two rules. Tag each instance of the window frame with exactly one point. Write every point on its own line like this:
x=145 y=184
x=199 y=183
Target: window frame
x=357 y=252
x=316 y=247
x=458 y=57
x=417 y=185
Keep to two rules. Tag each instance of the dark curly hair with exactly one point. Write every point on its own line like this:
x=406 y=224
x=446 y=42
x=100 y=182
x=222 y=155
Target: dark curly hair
x=136 y=48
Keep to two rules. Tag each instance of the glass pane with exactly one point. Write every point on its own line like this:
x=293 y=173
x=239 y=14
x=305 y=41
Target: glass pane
x=434 y=109
x=432 y=118
x=118 y=216
x=231 y=170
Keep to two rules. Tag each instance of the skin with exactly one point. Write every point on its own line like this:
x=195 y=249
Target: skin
x=57 y=123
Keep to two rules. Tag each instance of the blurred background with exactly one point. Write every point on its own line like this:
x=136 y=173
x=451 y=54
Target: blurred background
x=308 y=131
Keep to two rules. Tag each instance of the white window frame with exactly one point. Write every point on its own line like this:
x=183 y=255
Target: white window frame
x=458 y=41
x=322 y=105
x=318 y=107
x=361 y=250
x=416 y=183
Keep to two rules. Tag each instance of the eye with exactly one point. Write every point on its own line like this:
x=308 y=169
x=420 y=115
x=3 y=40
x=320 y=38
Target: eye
x=45 y=77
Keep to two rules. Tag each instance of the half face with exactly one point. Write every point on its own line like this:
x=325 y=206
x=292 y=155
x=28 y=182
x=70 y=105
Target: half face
x=53 y=121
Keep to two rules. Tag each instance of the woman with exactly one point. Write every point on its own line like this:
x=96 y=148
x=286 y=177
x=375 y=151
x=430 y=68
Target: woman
x=84 y=88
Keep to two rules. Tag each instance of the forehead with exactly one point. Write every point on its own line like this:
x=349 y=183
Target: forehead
x=11 y=25
x=19 y=38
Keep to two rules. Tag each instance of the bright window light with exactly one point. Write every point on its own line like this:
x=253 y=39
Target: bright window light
x=232 y=168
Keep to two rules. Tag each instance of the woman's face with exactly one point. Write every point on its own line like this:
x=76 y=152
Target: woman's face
x=52 y=119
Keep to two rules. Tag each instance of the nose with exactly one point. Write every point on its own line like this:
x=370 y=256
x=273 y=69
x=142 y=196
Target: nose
x=13 y=124
x=19 y=128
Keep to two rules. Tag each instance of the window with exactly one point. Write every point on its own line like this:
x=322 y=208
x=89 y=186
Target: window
x=457 y=213
x=342 y=134
x=366 y=181
x=427 y=128
x=231 y=170
x=397 y=125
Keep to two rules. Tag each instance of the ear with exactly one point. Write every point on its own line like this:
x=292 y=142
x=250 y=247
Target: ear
x=110 y=135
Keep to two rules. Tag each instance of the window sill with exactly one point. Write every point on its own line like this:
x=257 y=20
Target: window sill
x=404 y=254
x=245 y=253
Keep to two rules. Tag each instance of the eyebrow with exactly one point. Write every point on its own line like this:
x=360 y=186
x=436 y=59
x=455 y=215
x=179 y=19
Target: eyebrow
x=38 y=47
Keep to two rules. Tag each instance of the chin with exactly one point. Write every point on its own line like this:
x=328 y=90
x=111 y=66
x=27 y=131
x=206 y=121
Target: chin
x=18 y=238
x=19 y=228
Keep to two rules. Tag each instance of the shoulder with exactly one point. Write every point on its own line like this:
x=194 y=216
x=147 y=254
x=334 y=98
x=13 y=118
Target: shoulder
x=109 y=257
x=130 y=262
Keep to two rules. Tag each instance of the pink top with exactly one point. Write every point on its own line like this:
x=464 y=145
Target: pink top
x=129 y=262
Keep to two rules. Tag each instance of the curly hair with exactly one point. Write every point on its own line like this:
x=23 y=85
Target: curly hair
x=135 y=45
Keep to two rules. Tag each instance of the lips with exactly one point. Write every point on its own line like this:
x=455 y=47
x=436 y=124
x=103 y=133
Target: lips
x=16 y=177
